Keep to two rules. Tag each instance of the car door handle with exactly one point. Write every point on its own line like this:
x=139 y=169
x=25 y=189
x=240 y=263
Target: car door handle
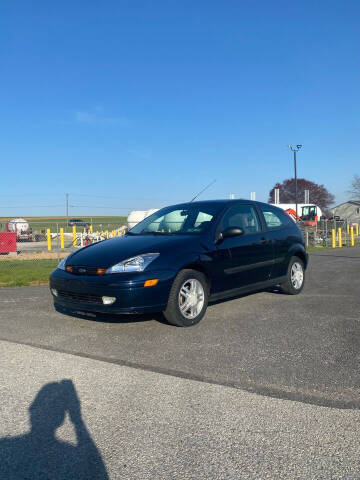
x=263 y=241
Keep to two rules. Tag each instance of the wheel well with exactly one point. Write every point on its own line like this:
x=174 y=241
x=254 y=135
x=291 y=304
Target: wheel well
x=300 y=254
x=199 y=268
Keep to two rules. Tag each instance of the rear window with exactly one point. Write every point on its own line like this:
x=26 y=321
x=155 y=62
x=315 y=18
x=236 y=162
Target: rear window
x=275 y=218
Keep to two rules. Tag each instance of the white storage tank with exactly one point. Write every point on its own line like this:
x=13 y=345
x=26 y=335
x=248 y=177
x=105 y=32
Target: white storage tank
x=137 y=216
x=18 y=225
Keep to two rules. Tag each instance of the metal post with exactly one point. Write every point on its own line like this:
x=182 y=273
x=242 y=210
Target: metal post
x=296 y=192
x=326 y=233
x=277 y=196
x=352 y=239
x=62 y=244
x=340 y=237
x=333 y=238
x=48 y=236
x=74 y=235
x=57 y=242
x=295 y=148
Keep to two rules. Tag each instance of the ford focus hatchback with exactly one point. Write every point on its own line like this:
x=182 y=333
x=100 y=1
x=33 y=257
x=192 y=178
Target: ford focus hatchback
x=181 y=257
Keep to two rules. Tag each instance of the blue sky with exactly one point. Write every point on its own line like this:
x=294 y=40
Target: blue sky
x=148 y=101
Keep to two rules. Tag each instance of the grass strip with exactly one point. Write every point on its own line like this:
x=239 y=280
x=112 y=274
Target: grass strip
x=26 y=272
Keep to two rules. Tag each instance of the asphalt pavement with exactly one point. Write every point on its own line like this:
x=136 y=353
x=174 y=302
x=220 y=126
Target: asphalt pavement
x=266 y=386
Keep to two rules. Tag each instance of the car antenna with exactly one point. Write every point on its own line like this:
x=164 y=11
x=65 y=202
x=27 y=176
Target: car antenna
x=203 y=190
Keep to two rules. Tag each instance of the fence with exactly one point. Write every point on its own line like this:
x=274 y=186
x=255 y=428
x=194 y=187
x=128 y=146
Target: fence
x=60 y=239
x=335 y=234
x=52 y=237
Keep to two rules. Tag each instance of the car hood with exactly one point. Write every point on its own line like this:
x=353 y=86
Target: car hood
x=110 y=252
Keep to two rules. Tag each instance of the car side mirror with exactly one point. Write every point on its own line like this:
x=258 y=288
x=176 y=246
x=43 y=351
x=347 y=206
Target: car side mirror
x=229 y=232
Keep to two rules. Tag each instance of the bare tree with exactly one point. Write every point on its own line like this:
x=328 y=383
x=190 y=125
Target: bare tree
x=355 y=188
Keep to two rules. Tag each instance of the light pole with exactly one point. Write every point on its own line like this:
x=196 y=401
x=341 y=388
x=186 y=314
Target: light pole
x=295 y=149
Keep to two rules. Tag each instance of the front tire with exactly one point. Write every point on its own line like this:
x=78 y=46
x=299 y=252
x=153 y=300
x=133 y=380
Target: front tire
x=188 y=299
x=295 y=277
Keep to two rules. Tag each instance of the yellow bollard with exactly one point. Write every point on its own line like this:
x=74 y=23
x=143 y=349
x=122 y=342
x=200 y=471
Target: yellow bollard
x=340 y=237
x=348 y=229
x=91 y=229
x=357 y=230
x=48 y=235
x=333 y=238
x=74 y=235
x=352 y=239
x=62 y=245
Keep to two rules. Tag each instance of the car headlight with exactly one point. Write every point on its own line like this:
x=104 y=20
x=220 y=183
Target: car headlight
x=134 y=264
x=62 y=263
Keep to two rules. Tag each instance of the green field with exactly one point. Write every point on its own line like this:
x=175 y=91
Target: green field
x=42 y=223
x=15 y=273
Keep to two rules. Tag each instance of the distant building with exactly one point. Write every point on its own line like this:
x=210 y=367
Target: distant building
x=348 y=211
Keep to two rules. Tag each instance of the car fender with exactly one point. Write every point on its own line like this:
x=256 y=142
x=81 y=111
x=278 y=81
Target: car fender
x=297 y=249
x=196 y=260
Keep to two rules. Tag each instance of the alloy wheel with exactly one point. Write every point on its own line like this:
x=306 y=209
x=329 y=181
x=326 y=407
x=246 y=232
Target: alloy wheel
x=297 y=275
x=191 y=298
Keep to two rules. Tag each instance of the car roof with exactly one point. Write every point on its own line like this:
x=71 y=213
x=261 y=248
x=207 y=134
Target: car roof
x=224 y=202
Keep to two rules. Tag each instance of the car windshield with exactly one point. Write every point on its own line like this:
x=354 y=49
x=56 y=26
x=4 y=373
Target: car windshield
x=178 y=220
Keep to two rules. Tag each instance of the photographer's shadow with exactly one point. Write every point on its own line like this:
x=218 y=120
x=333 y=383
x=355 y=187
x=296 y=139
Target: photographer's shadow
x=39 y=454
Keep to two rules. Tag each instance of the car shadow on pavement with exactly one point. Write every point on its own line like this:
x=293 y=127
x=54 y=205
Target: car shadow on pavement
x=274 y=289
x=111 y=318
x=38 y=454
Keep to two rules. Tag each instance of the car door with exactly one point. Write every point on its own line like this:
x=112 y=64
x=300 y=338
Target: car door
x=245 y=259
x=283 y=233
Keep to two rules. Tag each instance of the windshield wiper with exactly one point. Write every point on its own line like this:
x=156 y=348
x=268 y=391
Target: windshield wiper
x=155 y=233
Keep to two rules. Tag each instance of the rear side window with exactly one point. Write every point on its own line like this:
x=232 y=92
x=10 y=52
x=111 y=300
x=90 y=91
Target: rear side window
x=242 y=216
x=275 y=218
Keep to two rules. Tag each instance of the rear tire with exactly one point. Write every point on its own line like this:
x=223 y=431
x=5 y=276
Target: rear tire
x=295 y=277
x=188 y=299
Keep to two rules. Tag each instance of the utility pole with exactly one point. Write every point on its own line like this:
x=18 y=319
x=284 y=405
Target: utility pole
x=295 y=149
x=67 y=209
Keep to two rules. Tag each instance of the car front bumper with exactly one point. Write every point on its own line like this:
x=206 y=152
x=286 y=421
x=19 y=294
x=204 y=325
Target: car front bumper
x=84 y=293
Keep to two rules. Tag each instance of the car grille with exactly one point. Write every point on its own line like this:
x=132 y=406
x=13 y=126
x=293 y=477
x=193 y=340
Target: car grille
x=80 y=297
x=83 y=270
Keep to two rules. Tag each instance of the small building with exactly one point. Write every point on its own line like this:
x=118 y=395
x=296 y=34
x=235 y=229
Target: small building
x=349 y=211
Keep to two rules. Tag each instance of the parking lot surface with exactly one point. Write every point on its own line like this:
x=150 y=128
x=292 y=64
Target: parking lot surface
x=243 y=394
x=303 y=347
x=143 y=425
